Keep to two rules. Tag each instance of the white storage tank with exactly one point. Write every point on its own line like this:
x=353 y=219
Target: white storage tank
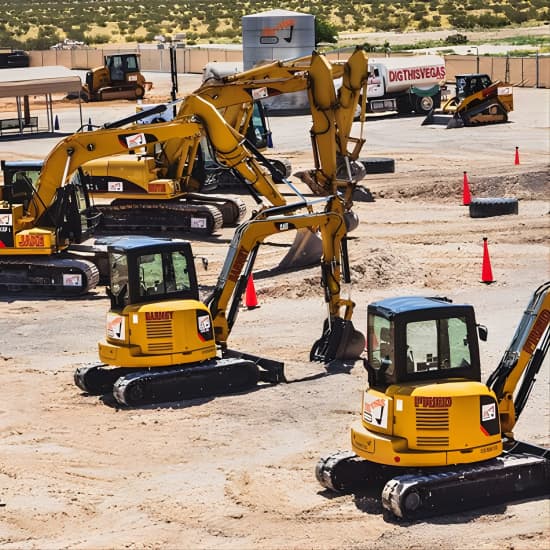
x=274 y=35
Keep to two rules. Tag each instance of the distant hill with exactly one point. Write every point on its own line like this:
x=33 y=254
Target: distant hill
x=39 y=24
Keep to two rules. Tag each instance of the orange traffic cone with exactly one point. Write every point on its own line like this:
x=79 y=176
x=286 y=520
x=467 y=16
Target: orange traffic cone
x=466 y=197
x=251 y=300
x=486 y=271
x=516 y=160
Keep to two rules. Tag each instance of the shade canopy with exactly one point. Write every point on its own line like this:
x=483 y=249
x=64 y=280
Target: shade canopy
x=38 y=81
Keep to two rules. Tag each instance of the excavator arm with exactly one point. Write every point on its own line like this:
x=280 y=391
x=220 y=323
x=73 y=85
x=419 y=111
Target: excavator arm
x=333 y=114
x=224 y=301
x=515 y=375
x=75 y=150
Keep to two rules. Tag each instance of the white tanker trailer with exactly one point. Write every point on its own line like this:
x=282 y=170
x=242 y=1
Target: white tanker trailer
x=405 y=84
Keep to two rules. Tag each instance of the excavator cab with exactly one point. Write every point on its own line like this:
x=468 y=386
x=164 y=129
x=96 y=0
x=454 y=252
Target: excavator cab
x=143 y=269
x=419 y=339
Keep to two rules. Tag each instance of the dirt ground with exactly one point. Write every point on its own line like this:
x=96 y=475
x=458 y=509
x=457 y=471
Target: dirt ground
x=237 y=472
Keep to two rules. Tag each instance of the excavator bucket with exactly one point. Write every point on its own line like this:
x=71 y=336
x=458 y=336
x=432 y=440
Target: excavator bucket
x=306 y=250
x=339 y=341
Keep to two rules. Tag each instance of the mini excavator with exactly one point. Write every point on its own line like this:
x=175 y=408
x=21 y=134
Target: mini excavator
x=434 y=436
x=477 y=101
x=163 y=344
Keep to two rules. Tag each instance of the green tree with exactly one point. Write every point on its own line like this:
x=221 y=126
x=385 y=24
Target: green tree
x=325 y=32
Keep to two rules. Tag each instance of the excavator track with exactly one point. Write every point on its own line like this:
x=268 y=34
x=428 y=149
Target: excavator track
x=344 y=471
x=233 y=209
x=137 y=387
x=508 y=477
x=48 y=276
x=132 y=215
x=413 y=494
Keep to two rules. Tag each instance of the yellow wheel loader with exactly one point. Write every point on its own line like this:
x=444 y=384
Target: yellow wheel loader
x=477 y=101
x=432 y=436
x=164 y=344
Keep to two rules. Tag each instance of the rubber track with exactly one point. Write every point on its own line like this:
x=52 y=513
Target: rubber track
x=177 y=383
x=140 y=386
x=124 y=216
x=508 y=477
x=44 y=276
x=233 y=209
x=413 y=494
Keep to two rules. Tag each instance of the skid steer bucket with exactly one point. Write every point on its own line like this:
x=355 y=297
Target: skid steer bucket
x=306 y=250
x=442 y=119
x=339 y=341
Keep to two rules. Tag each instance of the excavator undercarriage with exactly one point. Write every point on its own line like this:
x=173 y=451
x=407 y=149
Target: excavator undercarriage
x=417 y=493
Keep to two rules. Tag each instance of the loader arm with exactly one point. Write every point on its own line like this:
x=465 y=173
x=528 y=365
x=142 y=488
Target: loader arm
x=515 y=375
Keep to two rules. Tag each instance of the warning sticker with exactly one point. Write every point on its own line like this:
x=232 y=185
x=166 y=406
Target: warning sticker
x=198 y=223
x=488 y=412
x=72 y=279
x=375 y=410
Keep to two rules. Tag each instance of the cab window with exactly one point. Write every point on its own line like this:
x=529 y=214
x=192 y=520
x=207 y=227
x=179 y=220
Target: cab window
x=437 y=344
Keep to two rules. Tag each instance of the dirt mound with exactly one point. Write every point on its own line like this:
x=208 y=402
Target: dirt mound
x=531 y=185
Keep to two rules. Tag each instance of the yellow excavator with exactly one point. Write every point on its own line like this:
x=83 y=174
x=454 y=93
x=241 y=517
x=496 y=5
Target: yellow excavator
x=477 y=101
x=166 y=176
x=41 y=227
x=118 y=78
x=432 y=435
x=43 y=219
x=164 y=344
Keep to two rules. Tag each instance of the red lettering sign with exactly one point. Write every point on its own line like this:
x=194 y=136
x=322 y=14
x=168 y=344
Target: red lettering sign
x=157 y=187
x=536 y=333
x=159 y=315
x=417 y=73
x=31 y=241
x=433 y=402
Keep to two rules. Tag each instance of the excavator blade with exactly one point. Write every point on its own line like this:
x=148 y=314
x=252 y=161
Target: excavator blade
x=306 y=250
x=340 y=341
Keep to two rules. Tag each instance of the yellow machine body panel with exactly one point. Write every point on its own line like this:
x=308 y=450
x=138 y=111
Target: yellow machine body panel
x=434 y=424
x=131 y=177
x=159 y=334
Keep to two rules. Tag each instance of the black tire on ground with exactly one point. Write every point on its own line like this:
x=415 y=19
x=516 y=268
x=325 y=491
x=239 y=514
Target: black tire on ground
x=487 y=207
x=378 y=165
